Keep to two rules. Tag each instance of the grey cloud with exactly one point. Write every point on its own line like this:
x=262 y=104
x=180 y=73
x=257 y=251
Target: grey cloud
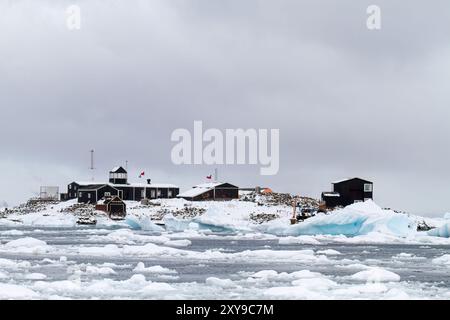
x=347 y=101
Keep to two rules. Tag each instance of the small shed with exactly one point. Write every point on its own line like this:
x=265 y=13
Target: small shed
x=348 y=191
x=115 y=207
x=211 y=191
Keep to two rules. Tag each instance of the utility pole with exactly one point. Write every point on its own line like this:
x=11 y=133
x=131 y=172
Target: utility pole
x=126 y=165
x=216 y=175
x=92 y=164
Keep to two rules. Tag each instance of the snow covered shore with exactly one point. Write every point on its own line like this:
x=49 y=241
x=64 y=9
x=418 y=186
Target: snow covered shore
x=361 y=222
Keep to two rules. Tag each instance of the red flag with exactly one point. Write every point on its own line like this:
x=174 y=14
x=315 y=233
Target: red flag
x=209 y=177
x=142 y=174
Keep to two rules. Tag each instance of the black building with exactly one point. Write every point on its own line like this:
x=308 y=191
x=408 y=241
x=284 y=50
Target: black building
x=211 y=191
x=92 y=192
x=346 y=192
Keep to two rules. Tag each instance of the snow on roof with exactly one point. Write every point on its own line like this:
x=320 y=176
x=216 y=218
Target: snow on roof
x=89 y=183
x=208 y=185
x=347 y=179
x=145 y=185
x=199 y=189
x=193 y=192
x=331 y=194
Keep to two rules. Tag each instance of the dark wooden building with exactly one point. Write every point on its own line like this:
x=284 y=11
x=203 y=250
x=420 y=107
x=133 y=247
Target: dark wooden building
x=92 y=192
x=211 y=191
x=116 y=208
x=348 y=191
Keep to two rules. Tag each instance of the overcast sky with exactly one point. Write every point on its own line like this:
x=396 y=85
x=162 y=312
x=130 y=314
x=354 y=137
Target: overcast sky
x=348 y=101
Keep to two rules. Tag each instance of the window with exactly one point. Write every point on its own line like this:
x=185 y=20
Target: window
x=368 y=187
x=159 y=193
x=89 y=195
x=143 y=193
x=107 y=194
x=169 y=193
x=152 y=193
x=70 y=187
x=80 y=194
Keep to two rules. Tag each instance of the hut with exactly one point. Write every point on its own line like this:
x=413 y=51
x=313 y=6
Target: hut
x=348 y=191
x=115 y=208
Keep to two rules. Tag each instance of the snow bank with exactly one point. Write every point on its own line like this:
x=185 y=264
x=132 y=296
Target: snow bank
x=357 y=219
x=443 y=231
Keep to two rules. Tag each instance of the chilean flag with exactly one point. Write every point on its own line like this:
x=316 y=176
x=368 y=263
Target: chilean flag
x=142 y=174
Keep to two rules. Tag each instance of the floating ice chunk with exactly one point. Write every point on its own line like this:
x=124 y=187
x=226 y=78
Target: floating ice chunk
x=140 y=267
x=304 y=274
x=376 y=275
x=143 y=223
x=12 y=233
x=108 y=250
x=7 y=263
x=35 y=276
x=178 y=243
x=329 y=252
x=11 y=291
x=222 y=283
x=99 y=270
x=155 y=288
x=298 y=240
x=357 y=219
x=178 y=225
x=3 y=275
x=265 y=274
x=445 y=259
x=318 y=283
x=217 y=219
x=28 y=245
x=295 y=292
x=443 y=231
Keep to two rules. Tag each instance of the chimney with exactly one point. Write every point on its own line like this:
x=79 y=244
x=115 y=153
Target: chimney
x=149 y=181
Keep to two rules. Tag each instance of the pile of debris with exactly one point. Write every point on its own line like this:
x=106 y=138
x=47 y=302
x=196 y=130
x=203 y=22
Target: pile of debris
x=32 y=205
x=80 y=209
x=276 y=199
x=189 y=212
x=423 y=226
x=263 y=217
x=87 y=220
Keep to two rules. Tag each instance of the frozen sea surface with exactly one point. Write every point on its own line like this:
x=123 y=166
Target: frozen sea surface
x=89 y=262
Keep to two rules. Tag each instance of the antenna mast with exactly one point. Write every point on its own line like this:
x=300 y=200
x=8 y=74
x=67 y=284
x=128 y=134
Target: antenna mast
x=92 y=164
